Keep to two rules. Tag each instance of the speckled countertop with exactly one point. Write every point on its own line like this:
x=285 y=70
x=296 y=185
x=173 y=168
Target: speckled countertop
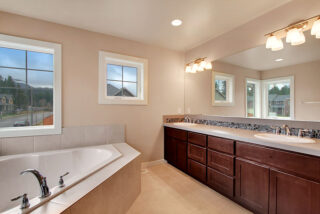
x=248 y=136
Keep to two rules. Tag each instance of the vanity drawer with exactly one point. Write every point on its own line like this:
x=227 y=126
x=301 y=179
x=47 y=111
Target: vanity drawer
x=197 y=170
x=176 y=133
x=198 y=139
x=221 y=144
x=221 y=162
x=298 y=164
x=220 y=182
x=197 y=153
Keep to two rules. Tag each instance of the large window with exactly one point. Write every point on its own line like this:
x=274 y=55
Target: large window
x=253 y=101
x=223 y=89
x=29 y=87
x=122 y=79
x=278 y=98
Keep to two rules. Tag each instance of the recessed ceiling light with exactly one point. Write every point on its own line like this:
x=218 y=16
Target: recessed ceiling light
x=278 y=60
x=176 y=22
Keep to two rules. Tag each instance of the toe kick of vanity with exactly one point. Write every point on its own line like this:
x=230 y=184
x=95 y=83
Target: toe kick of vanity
x=262 y=179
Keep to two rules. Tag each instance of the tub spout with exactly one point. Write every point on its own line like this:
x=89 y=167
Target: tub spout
x=45 y=192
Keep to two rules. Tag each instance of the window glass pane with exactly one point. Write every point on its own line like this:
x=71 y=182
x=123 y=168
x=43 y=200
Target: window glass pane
x=130 y=74
x=279 y=99
x=251 y=95
x=14 y=104
x=40 y=79
x=129 y=89
x=114 y=72
x=12 y=77
x=12 y=58
x=40 y=61
x=41 y=112
x=114 y=88
x=221 y=90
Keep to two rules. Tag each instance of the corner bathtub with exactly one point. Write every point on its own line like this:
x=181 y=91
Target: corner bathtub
x=79 y=162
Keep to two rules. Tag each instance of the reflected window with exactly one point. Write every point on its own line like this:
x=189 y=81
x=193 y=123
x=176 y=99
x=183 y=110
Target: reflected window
x=223 y=89
x=278 y=98
x=253 y=98
x=27 y=76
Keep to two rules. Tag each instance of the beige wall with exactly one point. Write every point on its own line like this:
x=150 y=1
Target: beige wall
x=198 y=91
x=80 y=80
x=306 y=87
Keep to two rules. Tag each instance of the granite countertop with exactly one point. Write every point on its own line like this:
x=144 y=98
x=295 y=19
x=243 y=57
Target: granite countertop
x=249 y=136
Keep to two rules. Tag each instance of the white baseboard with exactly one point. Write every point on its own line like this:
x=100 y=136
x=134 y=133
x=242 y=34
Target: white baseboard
x=152 y=163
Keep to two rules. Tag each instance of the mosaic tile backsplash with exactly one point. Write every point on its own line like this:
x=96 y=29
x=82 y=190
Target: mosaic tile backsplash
x=255 y=127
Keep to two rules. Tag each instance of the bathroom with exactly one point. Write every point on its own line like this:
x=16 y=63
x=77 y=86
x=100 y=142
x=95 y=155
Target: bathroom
x=140 y=106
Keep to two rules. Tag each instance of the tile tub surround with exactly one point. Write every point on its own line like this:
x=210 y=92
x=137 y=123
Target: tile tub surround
x=248 y=136
x=71 y=137
x=106 y=191
x=261 y=125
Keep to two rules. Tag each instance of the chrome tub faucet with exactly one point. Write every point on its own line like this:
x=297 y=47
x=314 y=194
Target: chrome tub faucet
x=45 y=191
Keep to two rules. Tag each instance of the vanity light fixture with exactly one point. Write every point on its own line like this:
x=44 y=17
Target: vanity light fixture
x=293 y=33
x=198 y=65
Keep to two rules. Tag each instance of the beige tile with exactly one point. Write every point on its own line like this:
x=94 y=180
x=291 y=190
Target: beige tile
x=47 y=143
x=115 y=133
x=168 y=190
x=72 y=137
x=17 y=145
x=95 y=135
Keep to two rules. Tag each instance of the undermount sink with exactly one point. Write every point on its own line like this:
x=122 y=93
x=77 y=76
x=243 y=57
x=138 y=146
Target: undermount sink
x=283 y=138
x=184 y=124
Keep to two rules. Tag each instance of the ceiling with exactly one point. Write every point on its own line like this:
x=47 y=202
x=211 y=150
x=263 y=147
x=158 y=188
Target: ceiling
x=148 y=21
x=260 y=58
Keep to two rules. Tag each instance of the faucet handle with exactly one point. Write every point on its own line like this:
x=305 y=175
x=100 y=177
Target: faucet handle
x=25 y=201
x=276 y=129
x=61 y=181
x=302 y=132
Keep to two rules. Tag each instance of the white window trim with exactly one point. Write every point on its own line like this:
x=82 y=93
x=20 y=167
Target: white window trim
x=257 y=97
x=230 y=89
x=44 y=47
x=142 y=83
x=265 y=97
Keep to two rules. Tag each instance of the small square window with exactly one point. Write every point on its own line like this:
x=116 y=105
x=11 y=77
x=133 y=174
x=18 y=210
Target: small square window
x=122 y=79
x=223 y=89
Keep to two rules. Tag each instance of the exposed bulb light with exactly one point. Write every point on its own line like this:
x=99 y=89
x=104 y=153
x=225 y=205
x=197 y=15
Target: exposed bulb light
x=274 y=43
x=295 y=36
x=315 y=30
x=176 y=22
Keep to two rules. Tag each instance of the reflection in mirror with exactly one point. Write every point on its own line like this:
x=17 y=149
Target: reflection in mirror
x=269 y=84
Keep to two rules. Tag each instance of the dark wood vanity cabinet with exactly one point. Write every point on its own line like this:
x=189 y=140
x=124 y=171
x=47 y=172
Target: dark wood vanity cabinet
x=262 y=179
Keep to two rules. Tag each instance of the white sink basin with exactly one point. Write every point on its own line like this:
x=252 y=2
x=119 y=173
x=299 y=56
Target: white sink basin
x=283 y=138
x=184 y=124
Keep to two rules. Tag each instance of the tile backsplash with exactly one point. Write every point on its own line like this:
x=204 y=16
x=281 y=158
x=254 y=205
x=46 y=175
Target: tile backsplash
x=71 y=137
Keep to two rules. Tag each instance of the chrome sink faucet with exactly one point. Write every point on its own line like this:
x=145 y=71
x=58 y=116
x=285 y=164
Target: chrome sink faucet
x=286 y=129
x=45 y=191
x=188 y=119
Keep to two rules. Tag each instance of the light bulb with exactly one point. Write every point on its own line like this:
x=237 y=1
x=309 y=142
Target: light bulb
x=200 y=68
x=271 y=39
x=208 y=66
x=194 y=68
x=277 y=45
x=295 y=36
x=203 y=64
x=315 y=30
x=188 y=69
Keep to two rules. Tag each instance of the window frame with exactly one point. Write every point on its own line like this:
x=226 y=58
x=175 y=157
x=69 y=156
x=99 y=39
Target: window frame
x=257 y=83
x=230 y=90
x=141 y=64
x=14 y=42
x=265 y=109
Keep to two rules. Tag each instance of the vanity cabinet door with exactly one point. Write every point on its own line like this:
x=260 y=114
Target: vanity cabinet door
x=170 y=150
x=252 y=186
x=181 y=160
x=292 y=194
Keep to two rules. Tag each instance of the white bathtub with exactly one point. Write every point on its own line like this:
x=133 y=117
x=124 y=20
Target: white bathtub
x=79 y=162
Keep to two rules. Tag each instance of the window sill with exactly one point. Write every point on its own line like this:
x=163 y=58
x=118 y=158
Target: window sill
x=29 y=131
x=123 y=101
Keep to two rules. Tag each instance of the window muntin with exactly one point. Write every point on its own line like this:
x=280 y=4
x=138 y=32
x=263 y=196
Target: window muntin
x=30 y=87
x=122 y=79
x=278 y=98
x=223 y=89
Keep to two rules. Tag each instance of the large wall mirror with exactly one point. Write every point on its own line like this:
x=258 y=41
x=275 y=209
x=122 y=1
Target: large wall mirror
x=260 y=83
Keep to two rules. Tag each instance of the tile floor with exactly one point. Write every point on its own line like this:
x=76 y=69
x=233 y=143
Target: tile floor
x=168 y=190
